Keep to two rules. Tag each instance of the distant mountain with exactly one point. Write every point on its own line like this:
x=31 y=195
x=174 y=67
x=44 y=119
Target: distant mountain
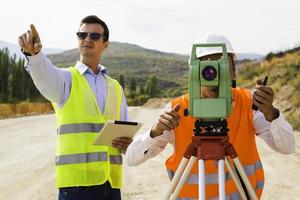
x=249 y=56
x=133 y=61
x=15 y=49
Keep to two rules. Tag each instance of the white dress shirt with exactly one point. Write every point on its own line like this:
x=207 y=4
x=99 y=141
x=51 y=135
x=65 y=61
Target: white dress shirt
x=55 y=83
x=278 y=134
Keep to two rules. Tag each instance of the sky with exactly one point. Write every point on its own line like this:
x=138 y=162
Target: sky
x=252 y=26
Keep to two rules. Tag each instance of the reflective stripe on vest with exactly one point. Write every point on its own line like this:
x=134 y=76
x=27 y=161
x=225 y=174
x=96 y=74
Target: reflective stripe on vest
x=231 y=196
x=213 y=178
x=88 y=157
x=78 y=128
x=81 y=158
x=260 y=184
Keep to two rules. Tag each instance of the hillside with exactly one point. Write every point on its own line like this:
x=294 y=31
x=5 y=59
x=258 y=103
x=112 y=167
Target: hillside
x=139 y=63
x=133 y=61
x=150 y=73
x=283 y=70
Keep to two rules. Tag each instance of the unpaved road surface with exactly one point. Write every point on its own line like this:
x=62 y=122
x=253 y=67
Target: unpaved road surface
x=27 y=149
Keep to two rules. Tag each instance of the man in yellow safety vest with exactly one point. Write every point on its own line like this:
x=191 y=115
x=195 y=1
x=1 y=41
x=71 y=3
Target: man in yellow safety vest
x=84 y=98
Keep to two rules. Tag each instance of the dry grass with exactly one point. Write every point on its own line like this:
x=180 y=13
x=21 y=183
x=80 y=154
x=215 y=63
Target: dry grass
x=24 y=108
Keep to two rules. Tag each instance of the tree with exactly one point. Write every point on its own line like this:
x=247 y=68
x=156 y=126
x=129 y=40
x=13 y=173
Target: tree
x=122 y=81
x=15 y=83
x=151 y=86
x=132 y=85
x=17 y=80
x=141 y=90
x=269 y=56
x=4 y=63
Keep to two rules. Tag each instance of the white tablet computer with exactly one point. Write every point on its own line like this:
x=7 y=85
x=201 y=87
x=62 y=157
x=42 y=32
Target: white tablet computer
x=114 y=129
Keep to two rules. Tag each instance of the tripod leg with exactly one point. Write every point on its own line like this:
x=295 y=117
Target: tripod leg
x=184 y=177
x=236 y=181
x=245 y=178
x=221 y=179
x=177 y=176
x=201 y=184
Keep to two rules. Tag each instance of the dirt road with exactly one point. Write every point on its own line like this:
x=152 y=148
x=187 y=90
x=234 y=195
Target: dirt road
x=27 y=147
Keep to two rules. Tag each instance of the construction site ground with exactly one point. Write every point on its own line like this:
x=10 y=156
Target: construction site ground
x=27 y=152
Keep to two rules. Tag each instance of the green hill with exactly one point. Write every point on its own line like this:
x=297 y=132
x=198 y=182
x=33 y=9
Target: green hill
x=137 y=65
x=283 y=69
x=135 y=62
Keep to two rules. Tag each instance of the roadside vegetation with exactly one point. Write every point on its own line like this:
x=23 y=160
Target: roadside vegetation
x=283 y=70
x=147 y=74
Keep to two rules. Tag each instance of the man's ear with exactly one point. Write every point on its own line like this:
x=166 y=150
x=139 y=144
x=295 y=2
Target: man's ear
x=106 y=44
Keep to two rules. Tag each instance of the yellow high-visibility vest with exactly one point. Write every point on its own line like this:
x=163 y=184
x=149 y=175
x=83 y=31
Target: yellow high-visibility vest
x=78 y=161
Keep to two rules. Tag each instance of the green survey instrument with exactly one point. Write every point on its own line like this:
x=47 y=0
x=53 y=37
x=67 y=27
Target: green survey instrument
x=211 y=139
x=215 y=75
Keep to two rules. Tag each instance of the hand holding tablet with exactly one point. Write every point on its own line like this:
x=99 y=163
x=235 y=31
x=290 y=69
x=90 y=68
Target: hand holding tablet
x=117 y=129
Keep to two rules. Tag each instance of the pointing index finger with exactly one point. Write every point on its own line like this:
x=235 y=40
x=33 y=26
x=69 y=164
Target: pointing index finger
x=35 y=34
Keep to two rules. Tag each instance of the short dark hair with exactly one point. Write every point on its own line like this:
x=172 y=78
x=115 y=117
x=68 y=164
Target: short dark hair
x=93 y=19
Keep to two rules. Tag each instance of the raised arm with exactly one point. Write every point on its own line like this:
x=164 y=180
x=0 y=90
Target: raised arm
x=54 y=83
x=269 y=122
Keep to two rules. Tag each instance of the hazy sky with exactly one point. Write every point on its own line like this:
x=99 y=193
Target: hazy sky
x=253 y=26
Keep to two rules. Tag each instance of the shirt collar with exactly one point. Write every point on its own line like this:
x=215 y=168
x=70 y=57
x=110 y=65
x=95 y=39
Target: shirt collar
x=82 y=68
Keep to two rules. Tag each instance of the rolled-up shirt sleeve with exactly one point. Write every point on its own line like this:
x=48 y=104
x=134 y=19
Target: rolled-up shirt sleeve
x=145 y=147
x=278 y=134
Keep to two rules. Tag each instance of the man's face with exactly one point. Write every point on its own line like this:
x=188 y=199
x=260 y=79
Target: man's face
x=92 y=48
x=212 y=92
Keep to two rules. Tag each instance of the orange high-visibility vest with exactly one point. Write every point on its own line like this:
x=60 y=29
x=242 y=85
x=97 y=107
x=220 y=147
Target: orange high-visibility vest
x=241 y=135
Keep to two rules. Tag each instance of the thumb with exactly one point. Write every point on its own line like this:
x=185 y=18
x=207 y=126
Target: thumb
x=176 y=107
x=259 y=81
x=37 y=47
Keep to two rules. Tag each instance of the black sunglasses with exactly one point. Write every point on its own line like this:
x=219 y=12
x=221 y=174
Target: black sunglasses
x=93 y=36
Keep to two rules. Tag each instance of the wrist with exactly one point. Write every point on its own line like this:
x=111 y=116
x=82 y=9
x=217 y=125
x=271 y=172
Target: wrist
x=28 y=53
x=155 y=133
x=272 y=115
